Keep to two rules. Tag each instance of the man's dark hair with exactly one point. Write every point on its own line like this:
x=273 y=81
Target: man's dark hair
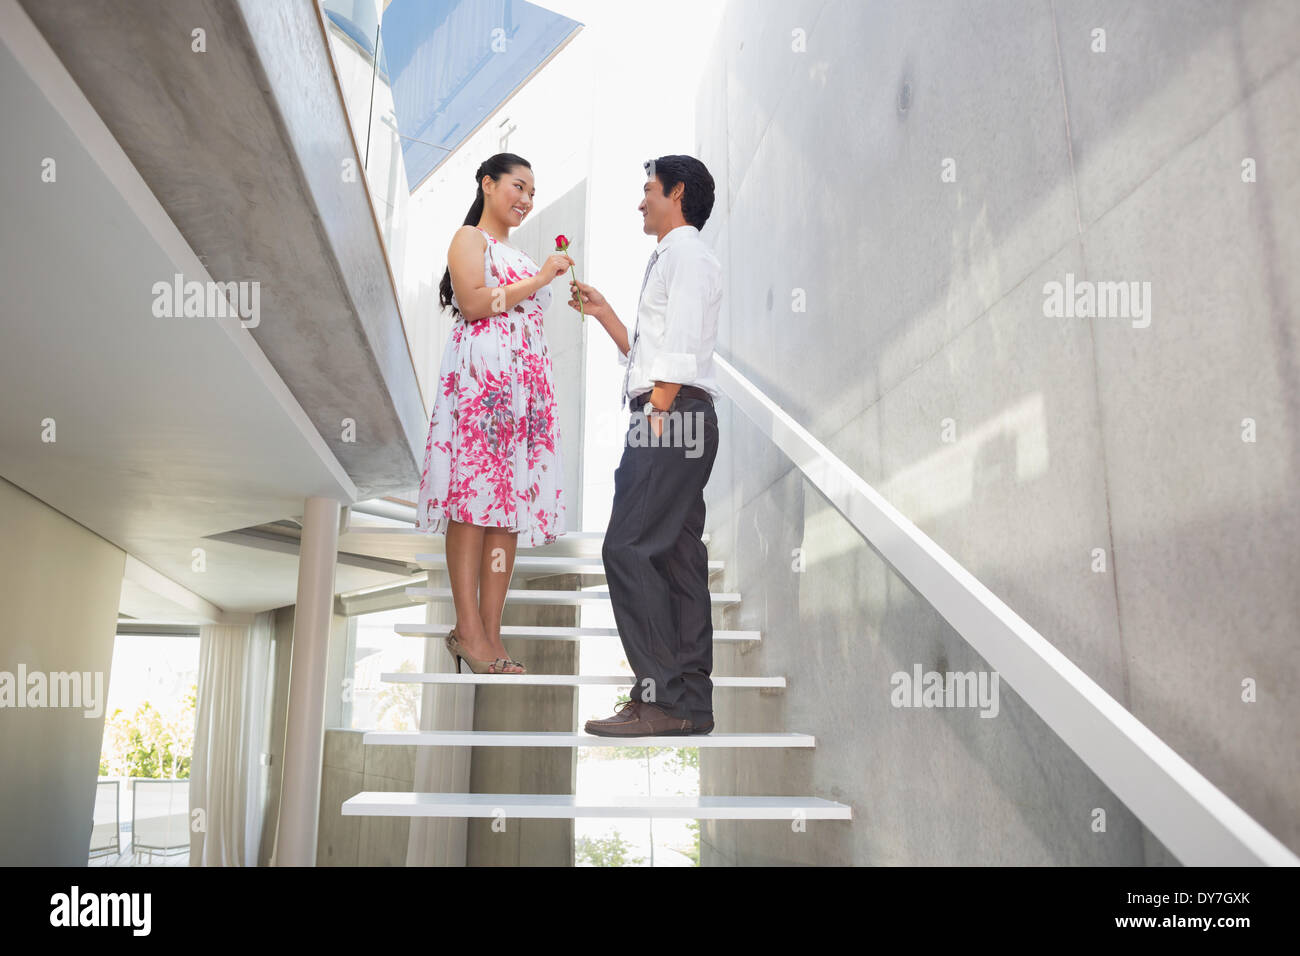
x=697 y=197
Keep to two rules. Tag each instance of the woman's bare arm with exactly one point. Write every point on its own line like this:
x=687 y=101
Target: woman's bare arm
x=476 y=299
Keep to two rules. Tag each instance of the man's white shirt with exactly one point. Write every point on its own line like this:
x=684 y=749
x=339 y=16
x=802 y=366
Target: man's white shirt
x=677 y=319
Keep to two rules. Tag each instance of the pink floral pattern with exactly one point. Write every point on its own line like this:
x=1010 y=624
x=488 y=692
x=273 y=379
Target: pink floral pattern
x=493 y=454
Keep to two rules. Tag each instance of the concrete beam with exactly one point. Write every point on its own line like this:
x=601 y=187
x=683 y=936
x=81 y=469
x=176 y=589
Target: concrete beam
x=244 y=144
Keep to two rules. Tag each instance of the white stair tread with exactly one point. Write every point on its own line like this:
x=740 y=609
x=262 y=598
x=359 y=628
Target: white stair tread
x=563 y=738
x=404 y=543
x=566 y=806
x=412 y=541
x=524 y=596
x=545 y=632
x=562 y=680
x=554 y=564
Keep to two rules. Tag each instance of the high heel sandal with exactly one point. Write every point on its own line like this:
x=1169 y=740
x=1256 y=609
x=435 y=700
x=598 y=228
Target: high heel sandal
x=477 y=666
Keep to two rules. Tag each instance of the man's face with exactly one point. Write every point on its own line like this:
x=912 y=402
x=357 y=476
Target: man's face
x=656 y=208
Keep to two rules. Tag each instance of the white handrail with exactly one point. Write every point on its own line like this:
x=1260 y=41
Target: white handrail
x=1187 y=813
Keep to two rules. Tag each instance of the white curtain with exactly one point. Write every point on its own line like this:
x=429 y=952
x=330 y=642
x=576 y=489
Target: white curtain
x=232 y=723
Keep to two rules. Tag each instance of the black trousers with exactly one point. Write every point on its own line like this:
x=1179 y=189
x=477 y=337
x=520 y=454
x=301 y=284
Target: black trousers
x=657 y=566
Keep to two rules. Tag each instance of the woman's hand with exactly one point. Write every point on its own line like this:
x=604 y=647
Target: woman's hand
x=592 y=301
x=555 y=266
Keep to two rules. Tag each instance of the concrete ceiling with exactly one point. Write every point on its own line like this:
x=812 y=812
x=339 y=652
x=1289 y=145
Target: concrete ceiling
x=245 y=146
x=166 y=431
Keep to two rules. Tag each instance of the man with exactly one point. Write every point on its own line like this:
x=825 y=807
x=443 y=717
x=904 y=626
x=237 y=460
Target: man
x=655 y=562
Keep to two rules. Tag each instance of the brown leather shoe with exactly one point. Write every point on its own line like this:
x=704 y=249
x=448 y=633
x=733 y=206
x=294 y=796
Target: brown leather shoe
x=637 y=718
x=625 y=713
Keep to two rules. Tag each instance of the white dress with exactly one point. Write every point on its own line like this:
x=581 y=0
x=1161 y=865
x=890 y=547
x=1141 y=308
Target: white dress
x=493 y=454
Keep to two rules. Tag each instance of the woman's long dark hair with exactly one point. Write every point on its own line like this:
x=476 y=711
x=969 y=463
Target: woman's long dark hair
x=496 y=167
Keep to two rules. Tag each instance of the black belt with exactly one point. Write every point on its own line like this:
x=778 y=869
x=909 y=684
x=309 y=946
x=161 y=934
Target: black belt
x=689 y=391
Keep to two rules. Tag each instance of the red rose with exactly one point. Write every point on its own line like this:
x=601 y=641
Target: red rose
x=562 y=245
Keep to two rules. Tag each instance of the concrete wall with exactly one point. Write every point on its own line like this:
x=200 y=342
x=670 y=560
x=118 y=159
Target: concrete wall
x=925 y=303
x=350 y=767
x=58 y=594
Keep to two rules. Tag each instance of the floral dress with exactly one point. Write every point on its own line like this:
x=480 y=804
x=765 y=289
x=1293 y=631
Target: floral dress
x=493 y=454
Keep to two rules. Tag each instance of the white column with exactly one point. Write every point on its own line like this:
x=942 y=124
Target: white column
x=295 y=843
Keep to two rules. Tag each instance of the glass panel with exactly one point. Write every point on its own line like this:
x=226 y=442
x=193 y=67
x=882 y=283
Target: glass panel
x=377 y=705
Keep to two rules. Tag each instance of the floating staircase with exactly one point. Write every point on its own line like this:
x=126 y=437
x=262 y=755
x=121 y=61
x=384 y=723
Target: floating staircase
x=577 y=553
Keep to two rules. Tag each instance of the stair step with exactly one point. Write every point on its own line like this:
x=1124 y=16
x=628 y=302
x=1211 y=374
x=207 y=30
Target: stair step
x=562 y=680
x=412 y=541
x=436 y=561
x=556 y=632
x=567 y=806
x=524 y=596
x=562 y=738
x=407 y=543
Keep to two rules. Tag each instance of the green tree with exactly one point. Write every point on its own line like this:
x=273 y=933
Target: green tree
x=399 y=704
x=150 y=743
x=686 y=758
x=606 y=851
x=693 y=849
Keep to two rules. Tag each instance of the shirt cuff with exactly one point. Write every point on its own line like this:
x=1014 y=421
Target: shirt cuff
x=678 y=367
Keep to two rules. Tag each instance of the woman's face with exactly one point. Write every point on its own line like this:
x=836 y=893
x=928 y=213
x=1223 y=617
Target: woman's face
x=511 y=197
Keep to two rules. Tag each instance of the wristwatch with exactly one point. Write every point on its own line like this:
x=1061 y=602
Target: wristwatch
x=651 y=412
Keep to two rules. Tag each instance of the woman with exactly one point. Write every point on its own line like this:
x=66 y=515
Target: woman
x=492 y=466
